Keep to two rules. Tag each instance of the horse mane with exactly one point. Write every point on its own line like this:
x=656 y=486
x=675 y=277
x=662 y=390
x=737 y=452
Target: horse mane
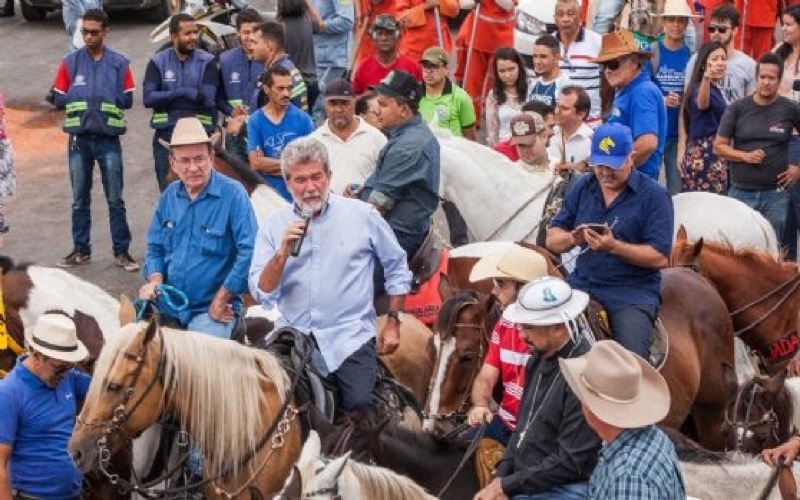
x=222 y=385
x=379 y=482
x=690 y=451
x=750 y=256
x=448 y=314
x=247 y=174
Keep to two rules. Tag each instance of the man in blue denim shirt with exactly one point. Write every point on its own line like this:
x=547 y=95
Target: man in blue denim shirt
x=201 y=237
x=623 y=221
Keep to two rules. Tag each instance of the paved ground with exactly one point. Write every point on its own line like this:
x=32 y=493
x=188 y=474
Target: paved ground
x=40 y=213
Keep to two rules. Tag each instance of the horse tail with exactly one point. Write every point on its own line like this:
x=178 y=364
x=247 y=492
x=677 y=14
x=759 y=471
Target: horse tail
x=248 y=175
x=6 y=264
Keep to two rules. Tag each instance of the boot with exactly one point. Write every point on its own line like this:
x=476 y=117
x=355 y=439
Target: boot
x=8 y=9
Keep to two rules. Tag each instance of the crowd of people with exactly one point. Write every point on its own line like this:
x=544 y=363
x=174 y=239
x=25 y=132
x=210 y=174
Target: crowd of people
x=577 y=418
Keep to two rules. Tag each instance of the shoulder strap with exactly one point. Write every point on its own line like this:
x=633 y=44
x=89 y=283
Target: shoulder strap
x=655 y=61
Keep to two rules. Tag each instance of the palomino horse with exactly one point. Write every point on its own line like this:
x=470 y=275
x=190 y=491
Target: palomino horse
x=231 y=399
x=315 y=476
x=760 y=291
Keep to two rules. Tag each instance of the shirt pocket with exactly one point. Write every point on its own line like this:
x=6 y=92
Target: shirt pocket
x=213 y=241
x=168 y=236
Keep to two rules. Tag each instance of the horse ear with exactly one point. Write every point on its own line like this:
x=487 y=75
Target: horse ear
x=730 y=383
x=311 y=449
x=774 y=385
x=293 y=487
x=152 y=328
x=698 y=247
x=681 y=235
x=127 y=313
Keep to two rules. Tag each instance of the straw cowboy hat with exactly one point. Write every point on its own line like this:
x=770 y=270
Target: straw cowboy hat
x=618 y=43
x=619 y=387
x=546 y=301
x=515 y=263
x=189 y=131
x=55 y=336
x=676 y=8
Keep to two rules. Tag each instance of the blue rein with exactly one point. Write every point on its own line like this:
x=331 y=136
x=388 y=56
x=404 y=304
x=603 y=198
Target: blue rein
x=174 y=299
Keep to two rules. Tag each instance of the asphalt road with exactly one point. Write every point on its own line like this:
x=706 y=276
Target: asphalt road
x=40 y=215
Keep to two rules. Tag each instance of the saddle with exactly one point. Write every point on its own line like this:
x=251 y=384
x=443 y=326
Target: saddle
x=659 y=347
x=426 y=260
x=292 y=347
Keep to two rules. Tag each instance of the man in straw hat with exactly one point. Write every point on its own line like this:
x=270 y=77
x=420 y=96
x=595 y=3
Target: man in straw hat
x=39 y=401
x=638 y=103
x=622 y=398
x=201 y=237
x=622 y=221
x=553 y=451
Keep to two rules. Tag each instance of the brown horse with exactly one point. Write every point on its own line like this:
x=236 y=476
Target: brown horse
x=760 y=291
x=232 y=400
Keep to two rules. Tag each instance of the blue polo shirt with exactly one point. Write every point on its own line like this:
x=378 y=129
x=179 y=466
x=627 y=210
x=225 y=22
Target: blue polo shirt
x=640 y=106
x=641 y=214
x=37 y=422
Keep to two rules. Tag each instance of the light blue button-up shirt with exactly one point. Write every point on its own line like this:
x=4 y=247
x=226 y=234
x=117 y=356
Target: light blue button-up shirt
x=327 y=289
x=199 y=245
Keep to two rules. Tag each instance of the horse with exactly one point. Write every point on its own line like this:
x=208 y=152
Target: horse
x=234 y=401
x=760 y=291
x=314 y=476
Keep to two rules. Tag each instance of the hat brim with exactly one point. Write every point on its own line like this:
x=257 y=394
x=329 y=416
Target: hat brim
x=616 y=54
x=650 y=407
x=571 y=309
x=73 y=356
x=385 y=90
x=487 y=268
x=610 y=161
x=211 y=140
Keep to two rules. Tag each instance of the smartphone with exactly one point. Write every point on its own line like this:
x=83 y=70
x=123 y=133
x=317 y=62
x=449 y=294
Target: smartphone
x=597 y=228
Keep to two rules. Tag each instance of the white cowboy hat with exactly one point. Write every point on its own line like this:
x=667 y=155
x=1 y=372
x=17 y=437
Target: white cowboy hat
x=189 y=130
x=619 y=387
x=676 y=8
x=55 y=336
x=516 y=263
x=546 y=301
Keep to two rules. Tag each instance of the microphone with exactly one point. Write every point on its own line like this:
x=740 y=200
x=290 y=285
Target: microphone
x=306 y=214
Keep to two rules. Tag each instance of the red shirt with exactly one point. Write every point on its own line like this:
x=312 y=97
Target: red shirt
x=371 y=72
x=507 y=148
x=509 y=354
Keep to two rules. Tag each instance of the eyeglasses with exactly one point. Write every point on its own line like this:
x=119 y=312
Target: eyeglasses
x=611 y=65
x=431 y=67
x=85 y=32
x=718 y=28
x=59 y=368
x=200 y=161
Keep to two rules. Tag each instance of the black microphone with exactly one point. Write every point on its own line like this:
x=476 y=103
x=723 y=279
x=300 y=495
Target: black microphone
x=306 y=214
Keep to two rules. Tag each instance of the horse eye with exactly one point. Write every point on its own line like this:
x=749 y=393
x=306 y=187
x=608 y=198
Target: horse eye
x=112 y=387
x=467 y=356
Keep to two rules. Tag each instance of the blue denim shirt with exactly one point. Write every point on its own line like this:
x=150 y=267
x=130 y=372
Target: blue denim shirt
x=332 y=47
x=328 y=288
x=641 y=214
x=199 y=245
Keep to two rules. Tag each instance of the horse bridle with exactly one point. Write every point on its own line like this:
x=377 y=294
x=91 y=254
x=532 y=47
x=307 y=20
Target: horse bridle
x=740 y=428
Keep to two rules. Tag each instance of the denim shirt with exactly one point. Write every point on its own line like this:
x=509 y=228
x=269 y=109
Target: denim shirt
x=641 y=214
x=332 y=47
x=199 y=245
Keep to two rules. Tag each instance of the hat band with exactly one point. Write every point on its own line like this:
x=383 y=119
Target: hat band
x=606 y=397
x=54 y=347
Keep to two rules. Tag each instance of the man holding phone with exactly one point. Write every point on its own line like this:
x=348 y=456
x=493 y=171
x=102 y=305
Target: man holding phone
x=622 y=220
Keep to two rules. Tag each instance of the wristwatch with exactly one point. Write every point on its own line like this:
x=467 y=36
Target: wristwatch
x=395 y=315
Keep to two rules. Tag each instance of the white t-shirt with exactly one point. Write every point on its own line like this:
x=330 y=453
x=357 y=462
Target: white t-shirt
x=576 y=64
x=353 y=160
x=740 y=76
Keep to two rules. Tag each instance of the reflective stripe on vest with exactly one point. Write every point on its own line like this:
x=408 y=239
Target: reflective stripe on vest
x=204 y=119
x=177 y=75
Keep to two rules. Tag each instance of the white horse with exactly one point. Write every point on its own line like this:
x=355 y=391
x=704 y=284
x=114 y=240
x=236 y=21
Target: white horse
x=314 y=476
x=732 y=479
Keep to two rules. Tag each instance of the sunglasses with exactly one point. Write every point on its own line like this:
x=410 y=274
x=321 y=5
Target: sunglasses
x=85 y=32
x=718 y=28
x=612 y=65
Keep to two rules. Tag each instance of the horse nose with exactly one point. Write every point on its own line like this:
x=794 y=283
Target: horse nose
x=77 y=456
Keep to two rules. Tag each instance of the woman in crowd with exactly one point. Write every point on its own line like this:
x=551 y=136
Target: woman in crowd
x=507 y=96
x=700 y=169
x=298 y=26
x=8 y=180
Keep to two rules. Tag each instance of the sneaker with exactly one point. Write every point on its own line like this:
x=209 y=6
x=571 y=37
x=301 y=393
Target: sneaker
x=76 y=258
x=126 y=262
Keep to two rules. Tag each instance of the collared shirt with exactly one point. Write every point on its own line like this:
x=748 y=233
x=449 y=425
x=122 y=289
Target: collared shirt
x=578 y=145
x=36 y=422
x=638 y=464
x=327 y=289
x=406 y=179
x=642 y=214
x=640 y=106
x=199 y=245
x=576 y=62
x=452 y=110
x=509 y=354
x=354 y=159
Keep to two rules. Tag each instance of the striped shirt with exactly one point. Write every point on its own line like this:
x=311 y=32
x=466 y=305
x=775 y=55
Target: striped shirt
x=509 y=354
x=576 y=63
x=639 y=464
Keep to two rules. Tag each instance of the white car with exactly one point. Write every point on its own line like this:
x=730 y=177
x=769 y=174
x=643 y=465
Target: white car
x=532 y=19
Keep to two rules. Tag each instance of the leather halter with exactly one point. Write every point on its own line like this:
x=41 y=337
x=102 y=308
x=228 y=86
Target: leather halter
x=740 y=428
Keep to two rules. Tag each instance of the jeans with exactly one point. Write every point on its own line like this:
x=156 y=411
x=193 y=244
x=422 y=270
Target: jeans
x=496 y=429
x=574 y=491
x=773 y=204
x=161 y=158
x=204 y=324
x=84 y=151
x=671 y=167
x=633 y=327
x=606 y=14
x=355 y=377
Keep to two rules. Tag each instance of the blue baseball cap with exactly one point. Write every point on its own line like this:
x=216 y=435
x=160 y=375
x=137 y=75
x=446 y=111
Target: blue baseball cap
x=612 y=144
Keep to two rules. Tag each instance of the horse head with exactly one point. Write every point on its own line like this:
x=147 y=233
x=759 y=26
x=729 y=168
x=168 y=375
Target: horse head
x=458 y=349
x=758 y=414
x=313 y=476
x=685 y=253
x=125 y=396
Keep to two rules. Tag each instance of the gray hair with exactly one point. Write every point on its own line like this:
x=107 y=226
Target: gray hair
x=303 y=151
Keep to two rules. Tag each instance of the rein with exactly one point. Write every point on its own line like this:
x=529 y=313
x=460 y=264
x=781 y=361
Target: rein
x=770 y=418
x=467 y=455
x=773 y=479
x=170 y=294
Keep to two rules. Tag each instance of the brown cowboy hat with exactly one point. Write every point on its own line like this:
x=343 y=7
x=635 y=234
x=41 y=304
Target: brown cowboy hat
x=618 y=43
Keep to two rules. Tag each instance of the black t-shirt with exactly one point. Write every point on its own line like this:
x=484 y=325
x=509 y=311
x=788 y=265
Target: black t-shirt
x=752 y=126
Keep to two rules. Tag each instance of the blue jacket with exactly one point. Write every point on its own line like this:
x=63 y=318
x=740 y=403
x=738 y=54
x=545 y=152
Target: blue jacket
x=96 y=96
x=332 y=47
x=238 y=79
x=181 y=88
